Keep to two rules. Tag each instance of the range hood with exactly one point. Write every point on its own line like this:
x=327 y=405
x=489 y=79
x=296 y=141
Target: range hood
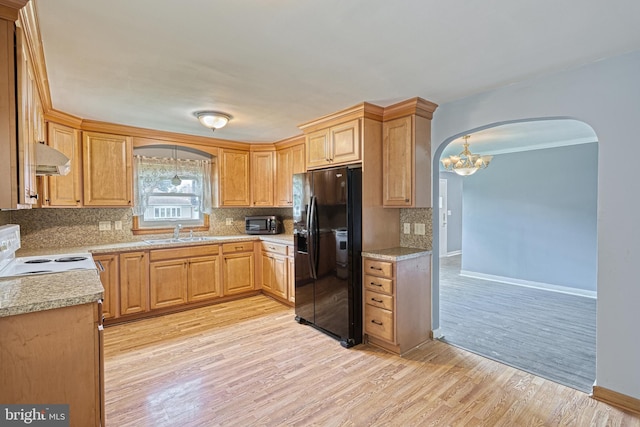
x=51 y=162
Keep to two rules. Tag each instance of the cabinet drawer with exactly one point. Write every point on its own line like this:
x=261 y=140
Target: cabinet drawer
x=184 y=252
x=379 y=268
x=229 y=248
x=378 y=300
x=275 y=248
x=378 y=322
x=378 y=284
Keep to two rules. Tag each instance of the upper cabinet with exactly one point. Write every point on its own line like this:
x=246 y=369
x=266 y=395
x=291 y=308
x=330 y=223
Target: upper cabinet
x=234 y=178
x=262 y=177
x=107 y=170
x=335 y=145
x=64 y=191
x=406 y=154
x=289 y=161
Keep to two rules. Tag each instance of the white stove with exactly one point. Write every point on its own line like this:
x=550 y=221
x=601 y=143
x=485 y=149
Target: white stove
x=10 y=266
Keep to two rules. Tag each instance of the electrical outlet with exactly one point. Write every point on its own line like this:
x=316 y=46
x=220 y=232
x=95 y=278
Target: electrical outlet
x=229 y=221
x=104 y=225
x=407 y=228
x=117 y=225
x=419 y=229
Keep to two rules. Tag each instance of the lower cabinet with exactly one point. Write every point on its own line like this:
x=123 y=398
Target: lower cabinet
x=291 y=278
x=397 y=302
x=275 y=270
x=134 y=282
x=238 y=268
x=181 y=275
x=54 y=356
x=110 y=278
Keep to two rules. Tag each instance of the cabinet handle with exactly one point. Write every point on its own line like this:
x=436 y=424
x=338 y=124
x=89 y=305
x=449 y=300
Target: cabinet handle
x=379 y=301
x=376 y=322
x=239 y=248
x=375 y=268
x=100 y=266
x=375 y=284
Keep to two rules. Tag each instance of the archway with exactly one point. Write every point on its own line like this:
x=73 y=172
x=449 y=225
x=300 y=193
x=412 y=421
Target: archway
x=530 y=227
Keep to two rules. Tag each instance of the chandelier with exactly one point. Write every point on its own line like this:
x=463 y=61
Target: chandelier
x=466 y=163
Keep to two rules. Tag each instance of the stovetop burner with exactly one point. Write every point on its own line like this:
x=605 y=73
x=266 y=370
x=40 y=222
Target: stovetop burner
x=37 y=261
x=71 y=259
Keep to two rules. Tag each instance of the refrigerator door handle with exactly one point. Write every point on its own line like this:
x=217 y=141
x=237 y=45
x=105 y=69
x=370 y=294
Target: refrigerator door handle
x=311 y=233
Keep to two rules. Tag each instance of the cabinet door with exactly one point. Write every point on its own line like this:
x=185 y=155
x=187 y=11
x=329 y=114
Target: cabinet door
x=345 y=142
x=267 y=271
x=28 y=102
x=318 y=149
x=262 y=177
x=291 y=279
x=234 y=178
x=65 y=191
x=283 y=177
x=134 y=282
x=109 y=279
x=297 y=159
x=203 y=278
x=168 y=283
x=237 y=273
x=279 y=281
x=107 y=171
x=397 y=162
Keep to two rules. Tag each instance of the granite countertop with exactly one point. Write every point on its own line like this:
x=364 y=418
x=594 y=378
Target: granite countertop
x=396 y=254
x=47 y=291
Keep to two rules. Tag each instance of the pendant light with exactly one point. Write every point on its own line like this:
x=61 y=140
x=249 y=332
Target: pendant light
x=176 y=179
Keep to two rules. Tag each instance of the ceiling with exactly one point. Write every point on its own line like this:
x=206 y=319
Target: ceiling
x=273 y=64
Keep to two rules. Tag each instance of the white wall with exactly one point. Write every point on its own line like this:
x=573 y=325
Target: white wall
x=605 y=95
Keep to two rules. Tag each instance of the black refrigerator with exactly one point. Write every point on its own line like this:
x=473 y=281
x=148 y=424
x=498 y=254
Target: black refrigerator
x=327 y=218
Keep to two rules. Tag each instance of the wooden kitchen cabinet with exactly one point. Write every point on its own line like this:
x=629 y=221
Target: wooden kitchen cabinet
x=64 y=191
x=55 y=356
x=107 y=170
x=30 y=122
x=110 y=278
x=406 y=154
x=234 y=178
x=397 y=302
x=336 y=145
x=134 y=282
x=275 y=270
x=181 y=275
x=289 y=161
x=238 y=268
x=262 y=178
x=291 y=277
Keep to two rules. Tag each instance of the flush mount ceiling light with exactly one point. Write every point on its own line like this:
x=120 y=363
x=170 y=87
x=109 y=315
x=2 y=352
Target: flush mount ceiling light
x=212 y=119
x=466 y=163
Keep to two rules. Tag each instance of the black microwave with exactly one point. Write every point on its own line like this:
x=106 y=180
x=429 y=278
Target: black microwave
x=268 y=224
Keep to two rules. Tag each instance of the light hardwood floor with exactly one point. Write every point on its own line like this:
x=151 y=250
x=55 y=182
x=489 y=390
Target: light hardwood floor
x=248 y=363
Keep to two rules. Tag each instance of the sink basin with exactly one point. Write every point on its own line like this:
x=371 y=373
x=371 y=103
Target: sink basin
x=182 y=240
x=199 y=239
x=160 y=241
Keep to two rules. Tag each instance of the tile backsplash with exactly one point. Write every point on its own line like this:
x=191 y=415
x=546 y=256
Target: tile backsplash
x=420 y=216
x=45 y=228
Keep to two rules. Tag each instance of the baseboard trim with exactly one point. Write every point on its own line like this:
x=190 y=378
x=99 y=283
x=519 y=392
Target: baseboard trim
x=436 y=334
x=454 y=253
x=619 y=400
x=529 y=284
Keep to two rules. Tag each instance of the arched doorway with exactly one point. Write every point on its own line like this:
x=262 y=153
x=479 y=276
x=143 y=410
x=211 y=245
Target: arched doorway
x=520 y=288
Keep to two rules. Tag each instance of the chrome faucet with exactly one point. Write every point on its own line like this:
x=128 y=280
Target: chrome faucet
x=176 y=231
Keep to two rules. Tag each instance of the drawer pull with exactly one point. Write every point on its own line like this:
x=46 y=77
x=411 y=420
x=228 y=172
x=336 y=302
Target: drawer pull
x=379 y=301
x=375 y=284
x=376 y=322
x=375 y=268
x=239 y=248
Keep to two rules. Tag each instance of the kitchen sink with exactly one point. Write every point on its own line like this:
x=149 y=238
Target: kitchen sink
x=199 y=239
x=181 y=240
x=160 y=241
